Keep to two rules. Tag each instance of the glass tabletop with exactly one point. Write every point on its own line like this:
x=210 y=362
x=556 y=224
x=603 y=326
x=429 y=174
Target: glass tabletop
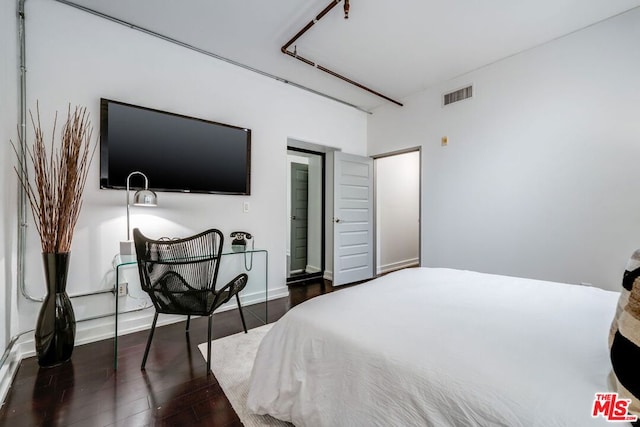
x=233 y=261
x=122 y=260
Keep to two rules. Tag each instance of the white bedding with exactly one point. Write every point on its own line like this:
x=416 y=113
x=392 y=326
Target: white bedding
x=438 y=347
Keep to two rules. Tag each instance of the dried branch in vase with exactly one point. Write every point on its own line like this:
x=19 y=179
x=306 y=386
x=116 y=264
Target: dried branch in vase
x=55 y=189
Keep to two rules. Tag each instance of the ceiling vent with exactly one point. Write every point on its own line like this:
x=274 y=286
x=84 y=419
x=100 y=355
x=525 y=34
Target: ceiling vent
x=457 y=95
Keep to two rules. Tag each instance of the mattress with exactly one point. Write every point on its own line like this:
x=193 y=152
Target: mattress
x=438 y=347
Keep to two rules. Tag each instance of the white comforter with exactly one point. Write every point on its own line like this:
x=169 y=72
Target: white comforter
x=438 y=347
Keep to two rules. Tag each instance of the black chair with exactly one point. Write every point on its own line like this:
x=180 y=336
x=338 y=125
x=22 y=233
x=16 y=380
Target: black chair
x=180 y=277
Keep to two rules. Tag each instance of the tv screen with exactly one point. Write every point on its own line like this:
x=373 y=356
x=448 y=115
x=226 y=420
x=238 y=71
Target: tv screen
x=175 y=152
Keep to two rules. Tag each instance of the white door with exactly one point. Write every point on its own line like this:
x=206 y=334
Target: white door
x=352 y=218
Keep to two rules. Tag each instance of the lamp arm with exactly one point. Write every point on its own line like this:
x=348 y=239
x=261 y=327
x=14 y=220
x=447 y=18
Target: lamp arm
x=146 y=187
x=128 y=233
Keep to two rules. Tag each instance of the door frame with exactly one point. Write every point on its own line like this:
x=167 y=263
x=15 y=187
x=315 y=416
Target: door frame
x=320 y=274
x=417 y=148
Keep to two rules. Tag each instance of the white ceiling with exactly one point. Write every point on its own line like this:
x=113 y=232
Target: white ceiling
x=395 y=47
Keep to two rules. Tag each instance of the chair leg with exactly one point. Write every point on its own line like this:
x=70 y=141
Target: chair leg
x=244 y=325
x=188 y=323
x=209 y=344
x=146 y=351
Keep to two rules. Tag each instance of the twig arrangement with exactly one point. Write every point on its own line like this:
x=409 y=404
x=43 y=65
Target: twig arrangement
x=55 y=191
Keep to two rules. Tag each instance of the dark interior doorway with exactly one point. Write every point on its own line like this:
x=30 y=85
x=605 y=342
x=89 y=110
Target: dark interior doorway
x=305 y=207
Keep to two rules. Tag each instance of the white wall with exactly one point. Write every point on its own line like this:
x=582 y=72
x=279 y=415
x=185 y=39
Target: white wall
x=397 y=211
x=9 y=89
x=7 y=111
x=540 y=175
x=79 y=58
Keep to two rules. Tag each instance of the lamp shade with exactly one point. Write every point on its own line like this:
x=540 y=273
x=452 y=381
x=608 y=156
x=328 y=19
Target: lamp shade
x=145 y=198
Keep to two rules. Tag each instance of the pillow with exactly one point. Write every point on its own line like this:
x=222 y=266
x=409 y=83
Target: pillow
x=631 y=273
x=624 y=337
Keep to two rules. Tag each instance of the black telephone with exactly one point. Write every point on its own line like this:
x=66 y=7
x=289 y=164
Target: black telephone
x=239 y=242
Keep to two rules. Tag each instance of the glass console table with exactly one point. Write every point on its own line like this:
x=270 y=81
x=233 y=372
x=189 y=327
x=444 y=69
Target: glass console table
x=253 y=297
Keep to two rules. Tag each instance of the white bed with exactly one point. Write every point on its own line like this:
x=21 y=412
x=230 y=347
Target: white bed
x=438 y=347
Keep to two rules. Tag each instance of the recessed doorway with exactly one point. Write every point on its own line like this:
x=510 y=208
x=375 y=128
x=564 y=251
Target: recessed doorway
x=305 y=207
x=397 y=210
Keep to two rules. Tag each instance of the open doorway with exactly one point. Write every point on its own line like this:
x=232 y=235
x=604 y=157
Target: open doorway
x=397 y=189
x=305 y=206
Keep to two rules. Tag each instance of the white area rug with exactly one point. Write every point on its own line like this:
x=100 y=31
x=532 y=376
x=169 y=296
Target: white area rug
x=231 y=362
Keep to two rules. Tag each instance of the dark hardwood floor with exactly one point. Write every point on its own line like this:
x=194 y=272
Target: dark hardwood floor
x=173 y=390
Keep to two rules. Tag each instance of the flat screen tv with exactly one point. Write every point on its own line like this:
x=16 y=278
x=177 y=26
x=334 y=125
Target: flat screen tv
x=175 y=152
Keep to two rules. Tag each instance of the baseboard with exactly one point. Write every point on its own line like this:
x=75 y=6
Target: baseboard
x=414 y=262
x=8 y=373
x=128 y=323
x=98 y=330
x=275 y=293
x=387 y=268
x=312 y=269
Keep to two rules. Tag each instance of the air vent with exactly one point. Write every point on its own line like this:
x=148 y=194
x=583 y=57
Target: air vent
x=458 y=95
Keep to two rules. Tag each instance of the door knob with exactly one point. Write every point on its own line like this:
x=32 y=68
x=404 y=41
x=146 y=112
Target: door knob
x=337 y=220
x=293 y=217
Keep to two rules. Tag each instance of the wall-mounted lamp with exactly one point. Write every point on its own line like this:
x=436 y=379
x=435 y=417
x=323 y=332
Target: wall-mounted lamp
x=144 y=197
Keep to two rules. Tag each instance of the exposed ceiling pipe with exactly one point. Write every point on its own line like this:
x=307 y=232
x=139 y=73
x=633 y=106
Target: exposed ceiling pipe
x=294 y=54
x=206 y=52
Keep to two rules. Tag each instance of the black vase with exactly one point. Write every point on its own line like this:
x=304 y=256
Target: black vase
x=56 y=327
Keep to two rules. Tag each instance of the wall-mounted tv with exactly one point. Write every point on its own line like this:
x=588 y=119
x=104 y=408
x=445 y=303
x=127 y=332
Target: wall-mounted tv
x=175 y=152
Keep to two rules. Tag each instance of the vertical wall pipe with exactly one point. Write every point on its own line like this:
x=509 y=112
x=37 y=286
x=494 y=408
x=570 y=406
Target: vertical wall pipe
x=22 y=196
x=22 y=153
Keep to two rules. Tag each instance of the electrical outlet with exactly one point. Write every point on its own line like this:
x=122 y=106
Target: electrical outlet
x=123 y=289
